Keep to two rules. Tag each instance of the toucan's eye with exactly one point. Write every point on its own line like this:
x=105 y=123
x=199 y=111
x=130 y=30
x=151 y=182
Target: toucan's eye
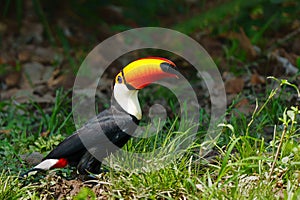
x=119 y=79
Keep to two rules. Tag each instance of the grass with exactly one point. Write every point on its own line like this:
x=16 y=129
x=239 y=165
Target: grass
x=247 y=162
x=224 y=11
x=10 y=188
x=246 y=165
x=242 y=169
x=22 y=126
x=255 y=17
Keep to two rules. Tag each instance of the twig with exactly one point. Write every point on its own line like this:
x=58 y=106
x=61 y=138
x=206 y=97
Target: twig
x=278 y=151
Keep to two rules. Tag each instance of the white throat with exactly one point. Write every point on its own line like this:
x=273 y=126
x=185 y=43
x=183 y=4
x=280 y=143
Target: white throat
x=128 y=100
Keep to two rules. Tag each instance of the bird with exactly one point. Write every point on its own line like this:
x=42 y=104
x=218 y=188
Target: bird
x=117 y=123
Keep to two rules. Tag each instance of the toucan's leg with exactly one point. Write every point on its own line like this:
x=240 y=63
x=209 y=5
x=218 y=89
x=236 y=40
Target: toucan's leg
x=89 y=164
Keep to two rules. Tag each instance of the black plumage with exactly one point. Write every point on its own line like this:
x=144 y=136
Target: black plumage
x=88 y=146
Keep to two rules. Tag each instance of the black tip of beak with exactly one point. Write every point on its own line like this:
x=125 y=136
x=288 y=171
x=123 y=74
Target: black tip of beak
x=168 y=68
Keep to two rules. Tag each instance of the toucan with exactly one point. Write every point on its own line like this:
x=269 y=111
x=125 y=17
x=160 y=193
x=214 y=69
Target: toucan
x=111 y=129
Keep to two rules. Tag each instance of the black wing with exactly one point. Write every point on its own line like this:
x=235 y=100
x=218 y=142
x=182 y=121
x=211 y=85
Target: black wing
x=101 y=135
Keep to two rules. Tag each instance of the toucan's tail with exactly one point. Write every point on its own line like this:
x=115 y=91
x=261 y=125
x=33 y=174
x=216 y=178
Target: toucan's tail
x=30 y=172
x=45 y=165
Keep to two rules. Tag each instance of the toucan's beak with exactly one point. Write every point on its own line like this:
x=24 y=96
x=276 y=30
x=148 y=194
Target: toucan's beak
x=143 y=72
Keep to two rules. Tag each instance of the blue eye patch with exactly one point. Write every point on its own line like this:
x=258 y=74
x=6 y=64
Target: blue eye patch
x=119 y=79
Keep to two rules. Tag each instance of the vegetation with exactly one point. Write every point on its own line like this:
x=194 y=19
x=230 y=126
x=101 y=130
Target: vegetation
x=256 y=156
x=247 y=166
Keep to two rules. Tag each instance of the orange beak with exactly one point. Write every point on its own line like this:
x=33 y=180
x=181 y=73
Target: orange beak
x=143 y=72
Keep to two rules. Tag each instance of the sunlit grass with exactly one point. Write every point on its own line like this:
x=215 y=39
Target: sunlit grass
x=240 y=167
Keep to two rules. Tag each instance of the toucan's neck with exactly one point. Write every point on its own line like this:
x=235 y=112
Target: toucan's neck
x=128 y=100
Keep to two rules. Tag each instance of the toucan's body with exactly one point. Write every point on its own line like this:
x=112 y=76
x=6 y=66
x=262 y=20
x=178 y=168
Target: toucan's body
x=112 y=128
x=74 y=152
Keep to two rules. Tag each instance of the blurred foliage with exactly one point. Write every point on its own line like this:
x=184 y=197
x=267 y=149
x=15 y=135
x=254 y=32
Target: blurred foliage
x=255 y=16
x=142 y=12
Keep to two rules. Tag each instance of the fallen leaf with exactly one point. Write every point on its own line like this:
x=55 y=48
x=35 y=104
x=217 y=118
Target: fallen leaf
x=12 y=79
x=241 y=103
x=244 y=106
x=234 y=86
x=46 y=55
x=33 y=72
x=5 y=132
x=45 y=133
x=24 y=56
x=245 y=42
x=257 y=79
x=26 y=96
x=65 y=80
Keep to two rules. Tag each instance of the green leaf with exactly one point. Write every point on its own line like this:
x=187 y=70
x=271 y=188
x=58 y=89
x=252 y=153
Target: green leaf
x=291 y=114
x=85 y=193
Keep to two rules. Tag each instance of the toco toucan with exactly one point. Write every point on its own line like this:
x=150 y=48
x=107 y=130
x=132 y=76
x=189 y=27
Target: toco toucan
x=112 y=128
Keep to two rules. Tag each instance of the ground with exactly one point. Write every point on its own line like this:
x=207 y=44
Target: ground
x=256 y=47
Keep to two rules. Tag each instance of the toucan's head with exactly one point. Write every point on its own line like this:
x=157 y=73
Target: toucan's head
x=137 y=75
x=140 y=73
